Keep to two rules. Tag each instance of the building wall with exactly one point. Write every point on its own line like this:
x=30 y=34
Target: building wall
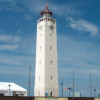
x=41 y=98
x=40 y=60
x=96 y=98
x=51 y=98
x=51 y=68
x=46 y=71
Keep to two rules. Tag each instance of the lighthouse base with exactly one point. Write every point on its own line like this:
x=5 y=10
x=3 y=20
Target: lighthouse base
x=53 y=92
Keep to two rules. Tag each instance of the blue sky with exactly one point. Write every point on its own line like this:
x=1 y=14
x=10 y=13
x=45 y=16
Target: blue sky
x=78 y=39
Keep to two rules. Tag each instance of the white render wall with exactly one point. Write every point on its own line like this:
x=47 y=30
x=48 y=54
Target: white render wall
x=46 y=71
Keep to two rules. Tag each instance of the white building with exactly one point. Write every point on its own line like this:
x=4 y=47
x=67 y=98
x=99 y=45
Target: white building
x=11 y=89
x=46 y=71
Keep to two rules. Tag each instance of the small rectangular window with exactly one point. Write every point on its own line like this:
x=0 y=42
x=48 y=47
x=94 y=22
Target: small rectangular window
x=39 y=93
x=39 y=78
x=51 y=63
x=40 y=47
x=51 y=78
x=40 y=62
x=51 y=34
x=50 y=48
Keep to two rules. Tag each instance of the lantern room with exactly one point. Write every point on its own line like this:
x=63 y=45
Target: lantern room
x=46 y=12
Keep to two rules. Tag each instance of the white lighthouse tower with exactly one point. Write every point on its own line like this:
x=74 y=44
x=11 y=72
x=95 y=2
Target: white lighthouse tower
x=46 y=71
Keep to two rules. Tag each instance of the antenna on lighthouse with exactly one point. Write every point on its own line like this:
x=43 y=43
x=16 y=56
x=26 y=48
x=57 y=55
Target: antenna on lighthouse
x=46 y=5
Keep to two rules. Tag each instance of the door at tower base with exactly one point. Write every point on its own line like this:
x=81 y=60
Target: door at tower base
x=47 y=92
x=46 y=70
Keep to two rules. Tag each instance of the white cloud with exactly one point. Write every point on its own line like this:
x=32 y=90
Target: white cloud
x=27 y=16
x=17 y=60
x=8 y=47
x=9 y=42
x=4 y=38
x=9 y=38
x=6 y=1
x=16 y=70
x=17 y=45
x=10 y=5
x=36 y=6
x=74 y=54
x=83 y=25
x=65 y=10
x=33 y=6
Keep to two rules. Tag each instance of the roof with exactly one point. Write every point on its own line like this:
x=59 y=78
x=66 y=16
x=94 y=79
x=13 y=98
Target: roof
x=46 y=10
x=4 y=86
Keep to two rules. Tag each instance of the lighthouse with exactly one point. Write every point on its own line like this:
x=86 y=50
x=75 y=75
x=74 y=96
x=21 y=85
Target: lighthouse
x=46 y=69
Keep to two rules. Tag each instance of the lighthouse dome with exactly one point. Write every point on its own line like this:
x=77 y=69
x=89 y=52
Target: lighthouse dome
x=46 y=12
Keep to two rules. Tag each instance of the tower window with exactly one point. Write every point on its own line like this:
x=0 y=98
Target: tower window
x=40 y=62
x=40 y=47
x=50 y=34
x=51 y=78
x=51 y=63
x=50 y=48
x=42 y=19
x=39 y=78
x=39 y=93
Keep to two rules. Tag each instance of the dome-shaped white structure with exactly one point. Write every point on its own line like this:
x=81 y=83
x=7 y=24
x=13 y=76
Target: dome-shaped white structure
x=11 y=89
